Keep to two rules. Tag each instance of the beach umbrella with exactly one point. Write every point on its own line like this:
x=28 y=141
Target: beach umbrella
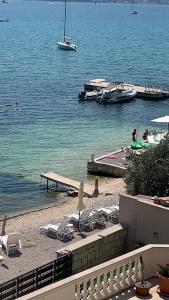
x=80 y=205
x=164 y=119
x=4 y=225
x=96 y=189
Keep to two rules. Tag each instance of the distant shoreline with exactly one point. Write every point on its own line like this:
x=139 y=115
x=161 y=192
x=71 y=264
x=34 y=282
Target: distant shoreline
x=156 y=2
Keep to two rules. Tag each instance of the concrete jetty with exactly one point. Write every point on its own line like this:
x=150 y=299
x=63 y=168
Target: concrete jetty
x=147 y=92
x=113 y=164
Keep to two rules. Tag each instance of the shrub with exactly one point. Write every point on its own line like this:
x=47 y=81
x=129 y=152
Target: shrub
x=148 y=173
x=164 y=270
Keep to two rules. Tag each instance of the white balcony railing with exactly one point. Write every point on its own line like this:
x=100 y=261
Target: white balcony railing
x=107 y=279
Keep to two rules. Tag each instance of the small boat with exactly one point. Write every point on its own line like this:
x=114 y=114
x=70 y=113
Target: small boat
x=90 y=96
x=118 y=96
x=4 y=20
x=5 y=1
x=133 y=12
x=67 y=43
x=96 y=84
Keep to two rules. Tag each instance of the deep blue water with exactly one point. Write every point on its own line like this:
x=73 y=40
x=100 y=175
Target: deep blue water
x=50 y=129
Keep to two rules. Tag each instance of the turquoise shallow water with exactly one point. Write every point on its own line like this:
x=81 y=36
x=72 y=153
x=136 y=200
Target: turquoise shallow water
x=50 y=129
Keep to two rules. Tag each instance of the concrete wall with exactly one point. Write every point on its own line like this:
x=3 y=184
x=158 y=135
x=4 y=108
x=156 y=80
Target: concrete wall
x=97 y=167
x=98 y=248
x=66 y=288
x=147 y=222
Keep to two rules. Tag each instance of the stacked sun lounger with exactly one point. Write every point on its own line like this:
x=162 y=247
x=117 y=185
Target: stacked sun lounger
x=61 y=231
x=110 y=213
x=87 y=219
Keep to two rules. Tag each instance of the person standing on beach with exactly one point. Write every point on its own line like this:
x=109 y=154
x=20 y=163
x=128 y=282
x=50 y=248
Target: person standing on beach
x=134 y=133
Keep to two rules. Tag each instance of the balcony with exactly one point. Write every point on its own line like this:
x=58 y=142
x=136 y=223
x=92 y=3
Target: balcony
x=111 y=280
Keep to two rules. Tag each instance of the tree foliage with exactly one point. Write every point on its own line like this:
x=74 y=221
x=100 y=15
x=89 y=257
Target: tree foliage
x=148 y=173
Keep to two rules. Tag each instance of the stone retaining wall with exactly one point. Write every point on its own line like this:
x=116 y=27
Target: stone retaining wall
x=98 y=248
x=99 y=168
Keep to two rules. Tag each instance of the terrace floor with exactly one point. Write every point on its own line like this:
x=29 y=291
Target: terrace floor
x=118 y=159
x=129 y=294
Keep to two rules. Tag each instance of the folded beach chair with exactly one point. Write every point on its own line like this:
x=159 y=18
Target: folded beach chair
x=88 y=219
x=11 y=242
x=61 y=230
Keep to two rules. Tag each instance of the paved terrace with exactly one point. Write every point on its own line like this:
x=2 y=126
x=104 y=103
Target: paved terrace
x=115 y=158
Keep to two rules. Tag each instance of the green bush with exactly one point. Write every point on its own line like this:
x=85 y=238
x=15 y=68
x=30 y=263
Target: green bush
x=148 y=173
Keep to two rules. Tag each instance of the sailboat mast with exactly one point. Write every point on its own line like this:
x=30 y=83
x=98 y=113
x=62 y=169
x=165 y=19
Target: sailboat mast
x=65 y=20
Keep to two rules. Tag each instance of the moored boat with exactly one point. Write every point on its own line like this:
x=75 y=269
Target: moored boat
x=133 y=12
x=67 y=44
x=96 y=84
x=90 y=96
x=118 y=96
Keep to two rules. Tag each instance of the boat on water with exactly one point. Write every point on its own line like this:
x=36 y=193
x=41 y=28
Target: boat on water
x=96 y=84
x=119 y=96
x=98 y=92
x=67 y=43
x=5 y=1
x=4 y=20
x=134 y=12
x=90 y=96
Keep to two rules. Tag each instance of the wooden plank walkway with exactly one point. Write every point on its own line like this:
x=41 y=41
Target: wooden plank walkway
x=104 y=187
x=50 y=176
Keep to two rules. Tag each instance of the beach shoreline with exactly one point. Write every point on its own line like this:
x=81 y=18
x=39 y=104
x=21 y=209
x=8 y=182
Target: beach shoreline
x=39 y=249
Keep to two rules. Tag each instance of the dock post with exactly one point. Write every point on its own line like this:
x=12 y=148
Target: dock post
x=47 y=187
x=92 y=157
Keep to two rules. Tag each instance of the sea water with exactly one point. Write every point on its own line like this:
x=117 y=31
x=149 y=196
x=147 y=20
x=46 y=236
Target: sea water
x=43 y=127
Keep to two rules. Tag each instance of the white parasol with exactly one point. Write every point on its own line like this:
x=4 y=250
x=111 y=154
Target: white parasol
x=96 y=189
x=4 y=225
x=164 y=119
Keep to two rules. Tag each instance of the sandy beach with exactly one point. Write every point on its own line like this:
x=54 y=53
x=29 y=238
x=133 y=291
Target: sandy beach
x=39 y=249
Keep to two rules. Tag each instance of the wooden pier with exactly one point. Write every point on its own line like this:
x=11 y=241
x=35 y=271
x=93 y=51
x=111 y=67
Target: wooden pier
x=104 y=187
x=50 y=176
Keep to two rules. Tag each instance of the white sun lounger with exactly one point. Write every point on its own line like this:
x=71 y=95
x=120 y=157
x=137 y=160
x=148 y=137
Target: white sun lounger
x=62 y=230
x=11 y=242
x=110 y=213
x=88 y=219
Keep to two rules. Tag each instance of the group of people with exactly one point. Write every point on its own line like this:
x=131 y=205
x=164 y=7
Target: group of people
x=145 y=135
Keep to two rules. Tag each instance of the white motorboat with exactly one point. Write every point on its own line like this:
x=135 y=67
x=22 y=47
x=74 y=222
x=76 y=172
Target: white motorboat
x=90 y=96
x=96 y=84
x=119 y=96
x=67 y=43
x=133 y=12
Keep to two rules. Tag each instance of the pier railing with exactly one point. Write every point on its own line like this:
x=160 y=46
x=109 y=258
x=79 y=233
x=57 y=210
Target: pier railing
x=37 y=278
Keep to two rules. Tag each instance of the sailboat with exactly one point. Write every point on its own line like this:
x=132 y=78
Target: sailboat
x=67 y=43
